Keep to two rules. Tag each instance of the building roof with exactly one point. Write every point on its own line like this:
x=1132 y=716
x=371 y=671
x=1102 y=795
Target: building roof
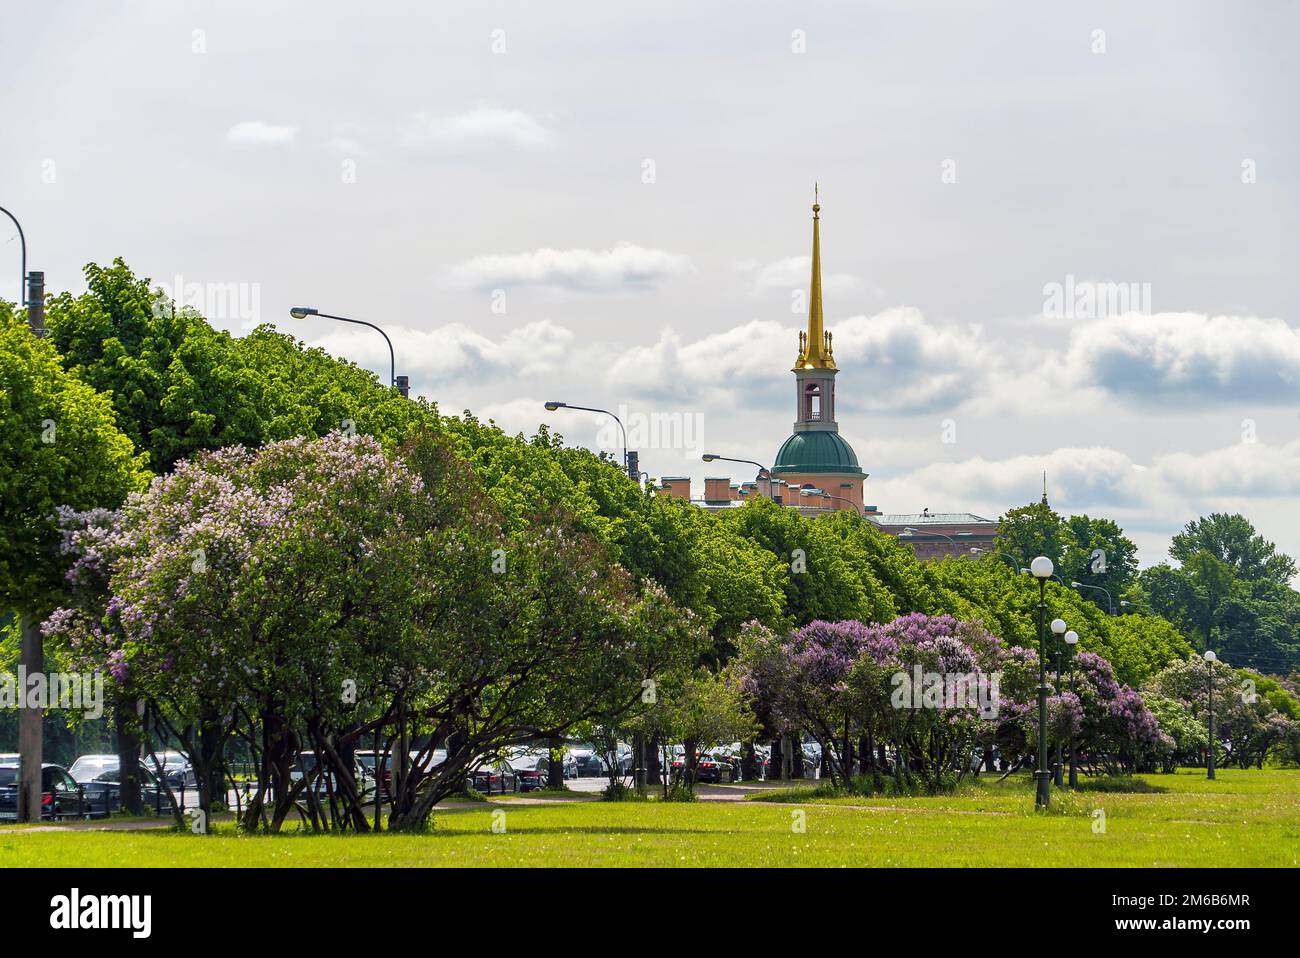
x=816 y=451
x=931 y=519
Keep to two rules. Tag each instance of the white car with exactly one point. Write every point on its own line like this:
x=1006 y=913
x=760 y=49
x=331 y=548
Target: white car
x=87 y=768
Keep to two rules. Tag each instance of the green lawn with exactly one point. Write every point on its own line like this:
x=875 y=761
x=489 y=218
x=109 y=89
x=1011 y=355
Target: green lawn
x=1243 y=818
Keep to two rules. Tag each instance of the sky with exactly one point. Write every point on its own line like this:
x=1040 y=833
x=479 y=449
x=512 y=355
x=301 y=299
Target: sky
x=1055 y=237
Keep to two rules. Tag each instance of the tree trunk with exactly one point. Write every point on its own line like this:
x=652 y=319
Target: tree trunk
x=213 y=763
x=128 y=754
x=776 y=759
x=654 y=770
x=555 y=765
x=748 y=763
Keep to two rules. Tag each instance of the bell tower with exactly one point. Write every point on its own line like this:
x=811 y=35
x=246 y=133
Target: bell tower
x=814 y=367
x=815 y=456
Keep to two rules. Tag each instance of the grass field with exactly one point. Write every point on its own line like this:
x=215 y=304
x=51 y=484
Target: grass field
x=1243 y=818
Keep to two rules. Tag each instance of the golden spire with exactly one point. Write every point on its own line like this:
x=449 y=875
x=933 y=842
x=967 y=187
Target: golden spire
x=815 y=345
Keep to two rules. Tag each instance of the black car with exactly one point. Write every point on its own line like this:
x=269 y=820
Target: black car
x=495 y=778
x=532 y=768
x=103 y=793
x=709 y=769
x=60 y=798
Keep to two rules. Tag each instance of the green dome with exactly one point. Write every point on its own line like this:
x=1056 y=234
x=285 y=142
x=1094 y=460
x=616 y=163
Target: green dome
x=816 y=451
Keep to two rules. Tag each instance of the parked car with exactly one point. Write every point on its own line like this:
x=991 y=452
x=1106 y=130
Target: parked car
x=176 y=768
x=60 y=797
x=531 y=766
x=709 y=769
x=494 y=776
x=103 y=794
x=323 y=783
x=731 y=755
x=766 y=770
x=367 y=762
x=715 y=769
x=89 y=767
x=587 y=760
x=431 y=761
x=568 y=765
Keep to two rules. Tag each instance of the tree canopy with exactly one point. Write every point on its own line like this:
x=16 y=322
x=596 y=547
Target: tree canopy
x=60 y=446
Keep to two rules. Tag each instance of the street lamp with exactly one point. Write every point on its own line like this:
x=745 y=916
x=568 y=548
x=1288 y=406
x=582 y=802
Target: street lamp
x=1209 y=671
x=1058 y=629
x=22 y=242
x=910 y=533
x=764 y=473
x=810 y=490
x=1109 y=601
x=302 y=312
x=977 y=550
x=1041 y=569
x=1071 y=640
x=553 y=404
x=31 y=294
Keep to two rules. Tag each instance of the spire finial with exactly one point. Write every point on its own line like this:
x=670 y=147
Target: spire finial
x=1044 y=487
x=815 y=346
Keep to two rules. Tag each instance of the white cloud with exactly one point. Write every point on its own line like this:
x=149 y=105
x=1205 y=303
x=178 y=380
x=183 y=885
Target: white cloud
x=625 y=267
x=739 y=363
x=1243 y=469
x=483 y=126
x=795 y=273
x=1151 y=501
x=907 y=363
x=456 y=352
x=1187 y=357
x=255 y=132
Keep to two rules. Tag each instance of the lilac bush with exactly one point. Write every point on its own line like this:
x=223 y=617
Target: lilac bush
x=930 y=692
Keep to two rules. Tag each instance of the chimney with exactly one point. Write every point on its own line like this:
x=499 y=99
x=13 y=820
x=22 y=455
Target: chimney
x=679 y=486
x=717 y=490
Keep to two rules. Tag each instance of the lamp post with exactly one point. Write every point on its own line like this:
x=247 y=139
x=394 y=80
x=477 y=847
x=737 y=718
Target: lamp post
x=1041 y=569
x=910 y=533
x=22 y=243
x=632 y=469
x=31 y=654
x=1015 y=564
x=1071 y=640
x=1058 y=630
x=1110 y=603
x=764 y=473
x=814 y=491
x=302 y=312
x=1209 y=672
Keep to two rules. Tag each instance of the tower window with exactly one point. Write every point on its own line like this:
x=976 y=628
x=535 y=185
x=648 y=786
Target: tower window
x=812 y=402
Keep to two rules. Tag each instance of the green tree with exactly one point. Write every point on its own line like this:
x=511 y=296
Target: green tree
x=61 y=449
x=179 y=386
x=1097 y=553
x=1030 y=531
x=1232 y=539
